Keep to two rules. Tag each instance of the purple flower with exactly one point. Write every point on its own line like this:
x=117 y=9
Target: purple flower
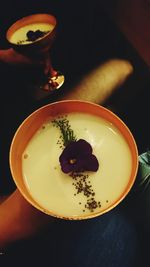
x=78 y=157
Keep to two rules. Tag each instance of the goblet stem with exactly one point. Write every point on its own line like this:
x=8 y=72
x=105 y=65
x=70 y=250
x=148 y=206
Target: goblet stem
x=48 y=69
x=54 y=78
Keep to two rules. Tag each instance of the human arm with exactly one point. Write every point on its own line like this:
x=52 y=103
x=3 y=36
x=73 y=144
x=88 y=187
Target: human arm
x=11 y=57
x=19 y=220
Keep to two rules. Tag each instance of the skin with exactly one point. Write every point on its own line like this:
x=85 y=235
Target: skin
x=11 y=57
x=19 y=220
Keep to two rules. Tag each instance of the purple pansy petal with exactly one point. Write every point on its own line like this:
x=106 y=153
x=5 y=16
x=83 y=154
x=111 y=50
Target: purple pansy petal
x=83 y=146
x=65 y=167
x=69 y=151
x=79 y=165
x=91 y=163
x=78 y=157
x=76 y=148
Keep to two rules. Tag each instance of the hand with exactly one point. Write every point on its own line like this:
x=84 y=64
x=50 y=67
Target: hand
x=12 y=57
x=20 y=220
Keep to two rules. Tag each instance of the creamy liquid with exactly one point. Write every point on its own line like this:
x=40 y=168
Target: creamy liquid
x=20 y=34
x=53 y=189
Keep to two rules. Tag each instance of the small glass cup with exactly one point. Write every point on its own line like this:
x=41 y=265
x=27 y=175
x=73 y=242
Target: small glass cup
x=36 y=43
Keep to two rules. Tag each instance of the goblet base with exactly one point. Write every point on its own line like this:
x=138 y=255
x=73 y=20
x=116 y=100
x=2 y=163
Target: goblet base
x=54 y=83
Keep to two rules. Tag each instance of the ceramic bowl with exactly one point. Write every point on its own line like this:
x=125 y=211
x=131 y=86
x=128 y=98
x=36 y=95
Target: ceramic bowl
x=34 y=121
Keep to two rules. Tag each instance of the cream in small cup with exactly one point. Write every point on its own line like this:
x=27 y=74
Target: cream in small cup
x=32 y=34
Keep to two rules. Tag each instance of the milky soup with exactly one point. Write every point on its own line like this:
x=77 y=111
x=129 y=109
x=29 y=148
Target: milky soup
x=20 y=35
x=63 y=194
